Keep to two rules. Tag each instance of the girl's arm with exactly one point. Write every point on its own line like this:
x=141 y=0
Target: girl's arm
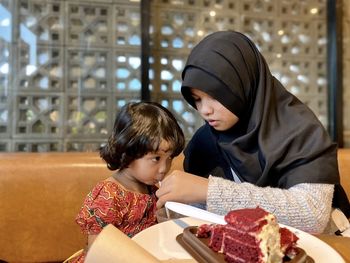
x=303 y=206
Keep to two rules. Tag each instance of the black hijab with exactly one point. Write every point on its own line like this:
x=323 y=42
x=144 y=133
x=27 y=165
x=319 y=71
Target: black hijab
x=277 y=142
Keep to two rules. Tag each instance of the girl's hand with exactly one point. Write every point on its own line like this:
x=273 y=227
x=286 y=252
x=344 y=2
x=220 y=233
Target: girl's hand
x=182 y=187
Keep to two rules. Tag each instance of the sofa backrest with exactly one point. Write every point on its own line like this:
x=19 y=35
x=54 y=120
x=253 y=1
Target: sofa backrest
x=41 y=194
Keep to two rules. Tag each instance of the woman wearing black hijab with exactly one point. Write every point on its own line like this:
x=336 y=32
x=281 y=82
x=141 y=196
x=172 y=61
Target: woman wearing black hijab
x=259 y=146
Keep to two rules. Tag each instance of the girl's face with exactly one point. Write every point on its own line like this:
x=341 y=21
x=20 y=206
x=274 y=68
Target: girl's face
x=212 y=111
x=152 y=167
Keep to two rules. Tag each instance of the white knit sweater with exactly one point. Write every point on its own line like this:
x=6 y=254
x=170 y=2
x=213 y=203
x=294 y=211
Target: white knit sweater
x=303 y=206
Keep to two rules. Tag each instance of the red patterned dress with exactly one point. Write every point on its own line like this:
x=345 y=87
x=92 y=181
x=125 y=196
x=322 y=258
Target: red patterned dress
x=110 y=203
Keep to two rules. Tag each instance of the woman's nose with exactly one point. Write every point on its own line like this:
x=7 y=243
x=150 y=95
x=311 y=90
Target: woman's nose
x=205 y=108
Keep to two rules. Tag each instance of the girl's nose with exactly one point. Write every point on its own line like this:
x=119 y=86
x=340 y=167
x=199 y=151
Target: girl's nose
x=162 y=172
x=160 y=176
x=163 y=169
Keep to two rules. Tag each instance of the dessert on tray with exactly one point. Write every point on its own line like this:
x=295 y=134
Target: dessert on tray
x=250 y=235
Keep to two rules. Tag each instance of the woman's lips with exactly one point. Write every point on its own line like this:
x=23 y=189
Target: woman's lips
x=213 y=122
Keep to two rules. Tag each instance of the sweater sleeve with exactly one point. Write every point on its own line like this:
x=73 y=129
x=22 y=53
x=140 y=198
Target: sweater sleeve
x=303 y=206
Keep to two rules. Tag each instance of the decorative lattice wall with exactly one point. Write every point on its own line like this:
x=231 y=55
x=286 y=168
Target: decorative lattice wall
x=71 y=65
x=66 y=66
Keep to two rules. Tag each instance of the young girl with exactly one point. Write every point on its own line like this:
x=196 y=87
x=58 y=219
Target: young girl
x=261 y=145
x=145 y=138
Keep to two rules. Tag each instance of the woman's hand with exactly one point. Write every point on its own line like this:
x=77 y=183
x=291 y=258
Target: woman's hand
x=182 y=187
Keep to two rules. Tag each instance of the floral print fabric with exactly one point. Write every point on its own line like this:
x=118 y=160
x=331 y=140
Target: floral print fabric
x=110 y=203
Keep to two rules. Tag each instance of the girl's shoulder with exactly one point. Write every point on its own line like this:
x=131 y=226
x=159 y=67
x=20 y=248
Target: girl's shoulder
x=116 y=189
x=107 y=187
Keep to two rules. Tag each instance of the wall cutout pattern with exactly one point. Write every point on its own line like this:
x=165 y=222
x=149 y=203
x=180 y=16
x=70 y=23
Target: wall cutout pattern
x=67 y=66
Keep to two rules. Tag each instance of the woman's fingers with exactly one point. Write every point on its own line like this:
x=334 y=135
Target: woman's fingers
x=162 y=192
x=182 y=187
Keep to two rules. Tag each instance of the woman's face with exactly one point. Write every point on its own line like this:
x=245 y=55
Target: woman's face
x=212 y=111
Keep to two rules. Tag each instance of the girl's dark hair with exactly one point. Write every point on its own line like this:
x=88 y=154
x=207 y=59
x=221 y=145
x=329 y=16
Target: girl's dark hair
x=138 y=129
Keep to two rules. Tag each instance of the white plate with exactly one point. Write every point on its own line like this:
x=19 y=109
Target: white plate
x=160 y=240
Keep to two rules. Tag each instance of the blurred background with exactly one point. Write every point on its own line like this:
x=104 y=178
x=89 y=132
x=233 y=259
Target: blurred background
x=67 y=66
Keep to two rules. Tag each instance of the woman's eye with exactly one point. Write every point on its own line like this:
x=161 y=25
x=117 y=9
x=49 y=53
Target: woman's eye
x=196 y=99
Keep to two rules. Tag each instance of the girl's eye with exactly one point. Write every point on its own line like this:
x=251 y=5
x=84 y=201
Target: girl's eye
x=156 y=158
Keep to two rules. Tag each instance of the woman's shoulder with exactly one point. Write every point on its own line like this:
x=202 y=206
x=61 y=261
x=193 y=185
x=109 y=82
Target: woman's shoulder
x=202 y=142
x=204 y=130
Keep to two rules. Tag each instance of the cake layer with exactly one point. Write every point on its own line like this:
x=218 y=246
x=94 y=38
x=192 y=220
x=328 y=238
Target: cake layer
x=248 y=220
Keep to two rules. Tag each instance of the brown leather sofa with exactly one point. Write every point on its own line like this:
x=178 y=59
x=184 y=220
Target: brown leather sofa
x=41 y=193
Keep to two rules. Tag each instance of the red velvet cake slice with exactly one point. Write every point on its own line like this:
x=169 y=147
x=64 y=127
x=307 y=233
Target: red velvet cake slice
x=250 y=235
